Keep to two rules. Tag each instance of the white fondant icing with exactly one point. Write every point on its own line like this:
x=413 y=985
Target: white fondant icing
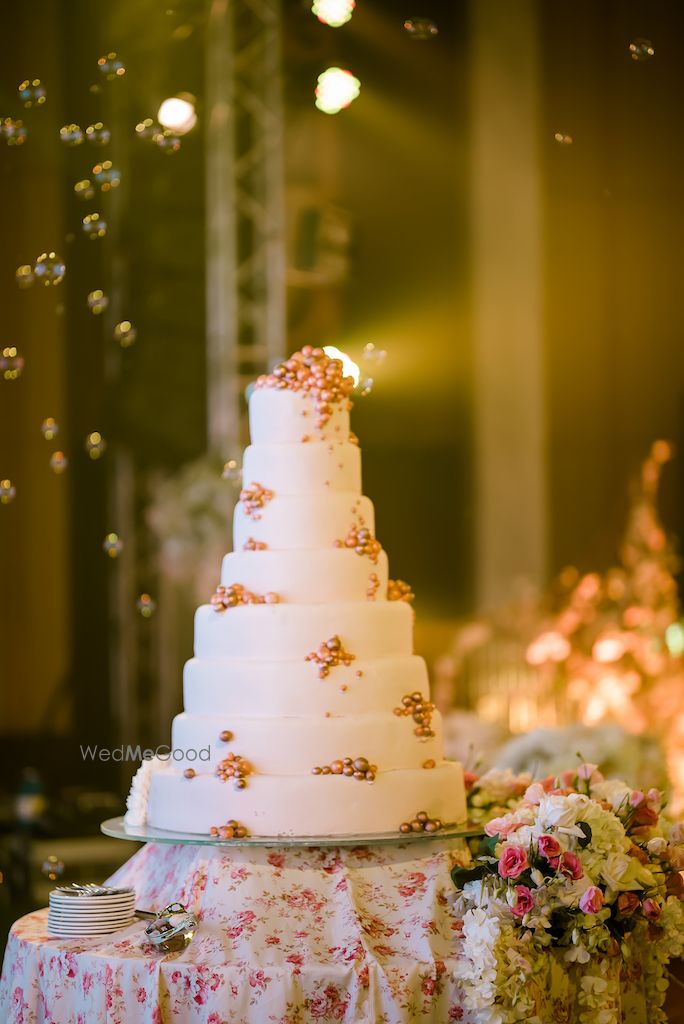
x=267 y=632
x=312 y=468
x=223 y=686
x=296 y=521
x=282 y=415
x=308 y=805
x=317 y=577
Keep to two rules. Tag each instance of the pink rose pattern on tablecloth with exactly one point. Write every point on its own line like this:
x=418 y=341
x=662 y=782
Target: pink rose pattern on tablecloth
x=301 y=936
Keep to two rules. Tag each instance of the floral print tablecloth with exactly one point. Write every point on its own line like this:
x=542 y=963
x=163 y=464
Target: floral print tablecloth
x=297 y=936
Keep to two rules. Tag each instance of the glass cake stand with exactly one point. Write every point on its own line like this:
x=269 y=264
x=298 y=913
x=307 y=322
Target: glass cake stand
x=118 y=829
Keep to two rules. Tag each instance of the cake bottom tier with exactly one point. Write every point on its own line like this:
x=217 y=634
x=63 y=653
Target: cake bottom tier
x=307 y=805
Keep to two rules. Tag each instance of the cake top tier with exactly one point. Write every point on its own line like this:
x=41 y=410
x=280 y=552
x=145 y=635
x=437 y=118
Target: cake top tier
x=318 y=376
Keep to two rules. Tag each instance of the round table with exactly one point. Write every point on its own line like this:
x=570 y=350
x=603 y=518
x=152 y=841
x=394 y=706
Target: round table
x=361 y=935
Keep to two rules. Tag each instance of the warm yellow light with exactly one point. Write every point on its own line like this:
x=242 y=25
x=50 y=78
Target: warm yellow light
x=178 y=113
x=333 y=12
x=348 y=365
x=336 y=89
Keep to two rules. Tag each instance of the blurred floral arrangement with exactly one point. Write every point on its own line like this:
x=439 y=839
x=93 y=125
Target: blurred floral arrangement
x=601 y=648
x=189 y=515
x=578 y=866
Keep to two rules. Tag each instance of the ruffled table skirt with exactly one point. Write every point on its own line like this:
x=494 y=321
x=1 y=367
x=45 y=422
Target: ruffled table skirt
x=303 y=936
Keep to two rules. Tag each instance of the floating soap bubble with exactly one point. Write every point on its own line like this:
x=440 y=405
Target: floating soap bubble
x=24 y=275
x=97 y=134
x=84 y=189
x=146 y=605
x=167 y=140
x=641 y=49
x=53 y=868
x=95 y=445
x=563 y=139
x=13 y=131
x=32 y=93
x=49 y=428
x=147 y=129
x=366 y=386
x=71 y=135
x=125 y=333
x=94 y=226
x=49 y=269
x=111 y=66
x=372 y=354
x=421 y=28
x=232 y=471
x=112 y=545
x=105 y=176
x=97 y=302
x=8 y=492
x=58 y=462
x=11 y=363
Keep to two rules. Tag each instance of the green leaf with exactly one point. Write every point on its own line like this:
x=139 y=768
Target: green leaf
x=460 y=876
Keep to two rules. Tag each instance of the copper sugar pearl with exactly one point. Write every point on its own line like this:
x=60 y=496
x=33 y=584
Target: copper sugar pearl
x=254 y=498
x=358 y=768
x=373 y=586
x=421 y=823
x=397 y=590
x=420 y=709
x=362 y=541
x=330 y=654
x=312 y=373
x=235 y=767
x=231 y=830
x=254 y=545
x=236 y=594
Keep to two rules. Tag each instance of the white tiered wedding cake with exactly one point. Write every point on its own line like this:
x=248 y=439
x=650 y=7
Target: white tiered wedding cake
x=304 y=694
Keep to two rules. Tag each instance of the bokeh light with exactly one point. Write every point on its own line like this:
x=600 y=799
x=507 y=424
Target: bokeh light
x=349 y=367
x=94 y=226
x=95 y=445
x=106 y=176
x=24 y=275
x=58 y=462
x=13 y=131
x=336 y=90
x=232 y=471
x=365 y=386
x=8 y=492
x=112 y=545
x=373 y=354
x=111 y=66
x=125 y=333
x=177 y=114
x=49 y=428
x=563 y=139
x=333 y=12
x=11 y=363
x=97 y=301
x=71 y=135
x=32 y=93
x=146 y=605
x=641 y=49
x=49 y=269
x=421 y=28
x=97 y=134
x=84 y=189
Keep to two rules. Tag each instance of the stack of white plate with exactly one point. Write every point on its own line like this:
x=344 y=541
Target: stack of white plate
x=83 y=911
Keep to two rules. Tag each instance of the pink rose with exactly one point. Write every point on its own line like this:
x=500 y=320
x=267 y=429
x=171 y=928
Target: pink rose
x=534 y=793
x=627 y=903
x=501 y=827
x=587 y=771
x=567 y=779
x=651 y=909
x=570 y=865
x=524 y=901
x=654 y=796
x=591 y=900
x=636 y=797
x=470 y=778
x=548 y=847
x=512 y=862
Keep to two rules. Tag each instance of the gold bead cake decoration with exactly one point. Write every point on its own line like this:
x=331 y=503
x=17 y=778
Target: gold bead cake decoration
x=420 y=709
x=254 y=545
x=236 y=594
x=189 y=773
x=373 y=586
x=315 y=374
x=231 y=830
x=330 y=654
x=225 y=736
x=254 y=498
x=421 y=823
x=353 y=439
x=397 y=590
x=358 y=768
x=235 y=767
x=362 y=541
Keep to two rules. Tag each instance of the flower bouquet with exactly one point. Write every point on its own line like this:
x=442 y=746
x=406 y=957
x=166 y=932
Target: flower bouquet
x=582 y=868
